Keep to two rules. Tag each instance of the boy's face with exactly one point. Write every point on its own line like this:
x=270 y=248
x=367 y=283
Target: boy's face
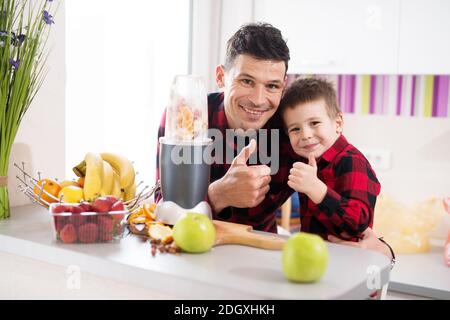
x=310 y=128
x=253 y=90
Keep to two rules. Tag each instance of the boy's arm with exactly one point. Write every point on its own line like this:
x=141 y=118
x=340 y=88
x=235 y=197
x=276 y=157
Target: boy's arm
x=350 y=205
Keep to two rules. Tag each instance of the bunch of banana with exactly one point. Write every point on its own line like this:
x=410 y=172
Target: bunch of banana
x=107 y=174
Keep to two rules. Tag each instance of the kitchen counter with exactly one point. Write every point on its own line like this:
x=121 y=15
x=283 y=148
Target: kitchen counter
x=422 y=274
x=226 y=272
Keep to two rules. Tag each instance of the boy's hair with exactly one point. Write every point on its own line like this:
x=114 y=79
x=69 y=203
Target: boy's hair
x=310 y=89
x=259 y=40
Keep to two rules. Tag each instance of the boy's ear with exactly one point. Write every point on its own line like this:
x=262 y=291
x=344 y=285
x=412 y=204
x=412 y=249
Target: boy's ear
x=220 y=76
x=339 y=123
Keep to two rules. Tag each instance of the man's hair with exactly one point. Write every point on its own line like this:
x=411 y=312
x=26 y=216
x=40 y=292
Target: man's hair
x=310 y=89
x=259 y=40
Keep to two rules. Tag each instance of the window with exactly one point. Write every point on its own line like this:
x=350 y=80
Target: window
x=121 y=58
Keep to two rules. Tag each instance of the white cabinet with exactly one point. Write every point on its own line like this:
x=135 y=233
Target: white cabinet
x=328 y=36
x=424 y=37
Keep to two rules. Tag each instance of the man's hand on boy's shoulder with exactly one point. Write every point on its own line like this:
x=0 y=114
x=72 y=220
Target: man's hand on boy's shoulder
x=303 y=178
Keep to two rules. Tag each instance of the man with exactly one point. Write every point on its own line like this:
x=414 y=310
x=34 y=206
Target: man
x=252 y=80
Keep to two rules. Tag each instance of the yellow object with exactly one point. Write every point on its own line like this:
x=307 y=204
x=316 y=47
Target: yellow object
x=161 y=232
x=116 y=186
x=406 y=228
x=123 y=166
x=94 y=176
x=149 y=210
x=144 y=214
x=66 y=183
x=107 y=179
x=71 y=194
x=130 y=192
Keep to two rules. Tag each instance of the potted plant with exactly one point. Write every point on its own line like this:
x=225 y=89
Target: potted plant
x=24 y=29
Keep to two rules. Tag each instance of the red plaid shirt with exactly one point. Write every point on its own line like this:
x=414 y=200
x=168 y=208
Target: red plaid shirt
x=263 y=216
x=352 y=192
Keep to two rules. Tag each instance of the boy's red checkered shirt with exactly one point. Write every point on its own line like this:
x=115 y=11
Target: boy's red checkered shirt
x=350 y=199
x=262 y=217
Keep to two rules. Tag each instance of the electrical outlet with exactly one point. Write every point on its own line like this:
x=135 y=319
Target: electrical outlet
x=378 y=158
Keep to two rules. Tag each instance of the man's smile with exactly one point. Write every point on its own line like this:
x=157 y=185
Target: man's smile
x=254 y=114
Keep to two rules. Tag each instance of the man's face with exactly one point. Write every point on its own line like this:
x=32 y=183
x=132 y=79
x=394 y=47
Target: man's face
x=310 y=128
x=252 y=90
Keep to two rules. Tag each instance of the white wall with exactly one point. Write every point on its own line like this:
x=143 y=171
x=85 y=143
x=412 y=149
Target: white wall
x=40 y=141
x=420 y=149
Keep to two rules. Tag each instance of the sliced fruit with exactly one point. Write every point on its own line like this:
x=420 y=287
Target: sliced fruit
x=161 y=232
x=149 y=210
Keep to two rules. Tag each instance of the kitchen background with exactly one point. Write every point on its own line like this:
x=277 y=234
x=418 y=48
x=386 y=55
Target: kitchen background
x=110 y=70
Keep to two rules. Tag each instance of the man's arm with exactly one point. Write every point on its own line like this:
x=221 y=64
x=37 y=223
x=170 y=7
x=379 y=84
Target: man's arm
x=161 y=132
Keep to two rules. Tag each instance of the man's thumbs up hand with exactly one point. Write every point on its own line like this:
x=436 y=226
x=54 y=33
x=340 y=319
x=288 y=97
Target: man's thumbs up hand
x=242 y=186
x=244 y=155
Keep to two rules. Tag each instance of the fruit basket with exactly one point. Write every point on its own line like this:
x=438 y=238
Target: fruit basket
x=35 y=189
x=80 y=223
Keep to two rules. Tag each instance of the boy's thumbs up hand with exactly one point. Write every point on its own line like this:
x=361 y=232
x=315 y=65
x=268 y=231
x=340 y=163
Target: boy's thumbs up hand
x=303 y=178
x=242 y=186
x=312 y=161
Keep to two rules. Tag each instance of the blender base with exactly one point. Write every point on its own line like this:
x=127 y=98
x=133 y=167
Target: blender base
x=168 y=212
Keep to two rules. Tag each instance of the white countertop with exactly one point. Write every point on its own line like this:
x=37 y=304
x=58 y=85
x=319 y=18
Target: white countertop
x=422 y=274
x=226 y=272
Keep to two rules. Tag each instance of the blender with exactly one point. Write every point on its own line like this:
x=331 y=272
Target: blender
x=184 y=173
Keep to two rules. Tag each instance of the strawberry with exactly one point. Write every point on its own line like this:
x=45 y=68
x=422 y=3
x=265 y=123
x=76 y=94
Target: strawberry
x=60 y=208
x=86 y=206
x=60 y=222
x=77 y=219
x=105 y=228
x=68 y=234
x=87 y=233
x=76 y=209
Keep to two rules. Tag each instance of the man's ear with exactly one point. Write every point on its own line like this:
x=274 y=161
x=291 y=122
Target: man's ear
x=220 y=76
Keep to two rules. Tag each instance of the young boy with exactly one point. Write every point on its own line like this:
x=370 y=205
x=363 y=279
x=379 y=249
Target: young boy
x=336 y=184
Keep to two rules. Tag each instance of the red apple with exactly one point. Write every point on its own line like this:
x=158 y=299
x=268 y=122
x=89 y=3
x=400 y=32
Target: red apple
x=102 y=204
x=118 y=206
x=111 y=199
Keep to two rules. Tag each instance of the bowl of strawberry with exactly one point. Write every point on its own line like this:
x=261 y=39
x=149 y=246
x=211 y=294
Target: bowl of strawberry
x=99 y=221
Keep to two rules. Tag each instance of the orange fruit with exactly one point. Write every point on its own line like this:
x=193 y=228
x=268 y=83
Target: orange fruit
x=80 y=181
x=50 y=186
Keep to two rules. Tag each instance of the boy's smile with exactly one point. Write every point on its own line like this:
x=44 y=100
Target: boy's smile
x=310 y=128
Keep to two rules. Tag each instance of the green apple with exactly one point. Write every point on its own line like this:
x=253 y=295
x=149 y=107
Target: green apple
x=304 y=258
x=194 y=233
